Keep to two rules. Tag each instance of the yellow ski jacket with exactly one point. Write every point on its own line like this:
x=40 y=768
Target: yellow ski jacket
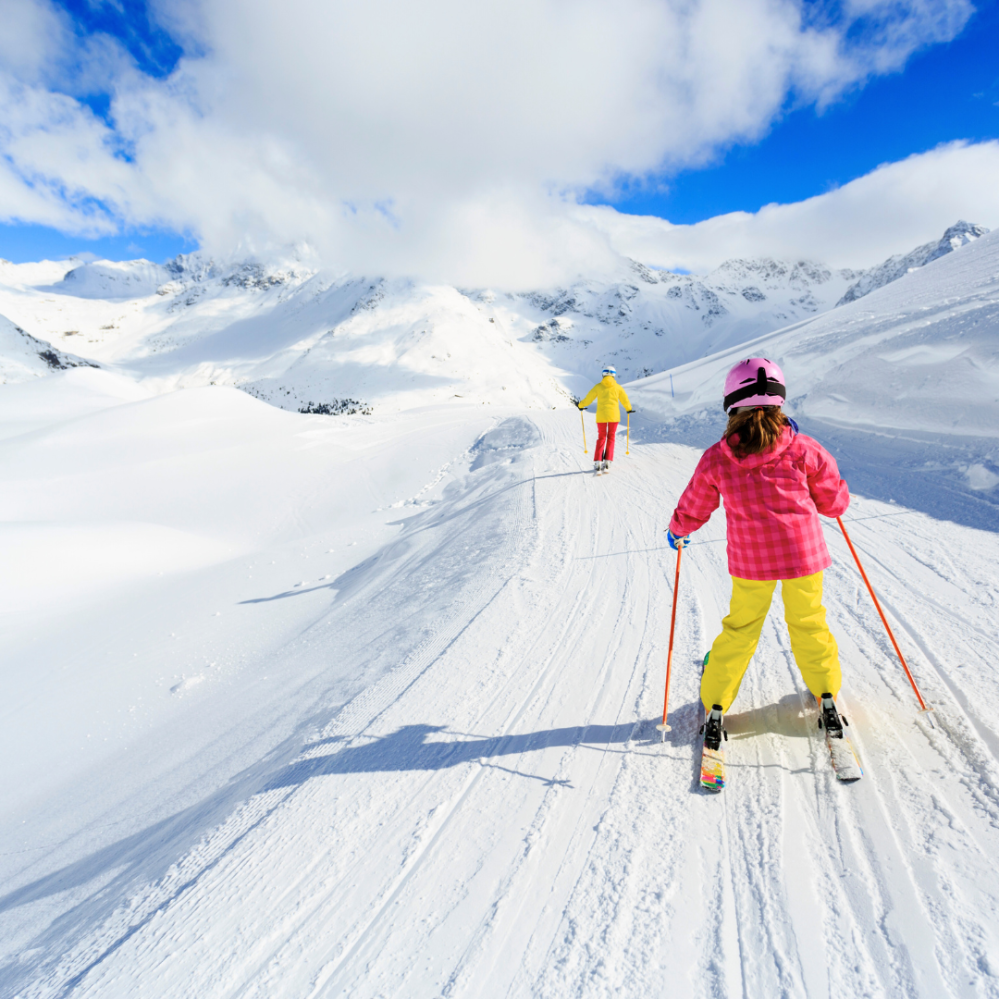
x=609 y=395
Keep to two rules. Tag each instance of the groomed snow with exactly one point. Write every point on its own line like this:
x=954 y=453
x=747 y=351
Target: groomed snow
x=399 y=739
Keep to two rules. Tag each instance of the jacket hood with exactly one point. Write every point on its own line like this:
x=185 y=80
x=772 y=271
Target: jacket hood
x=755 y=460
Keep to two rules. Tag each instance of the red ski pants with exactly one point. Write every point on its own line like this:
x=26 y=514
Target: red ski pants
x=605 y=442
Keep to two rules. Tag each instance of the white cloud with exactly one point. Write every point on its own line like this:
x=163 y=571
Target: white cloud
x=890 y=210
x=442 y=138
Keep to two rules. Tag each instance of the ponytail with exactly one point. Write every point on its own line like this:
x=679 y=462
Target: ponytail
x=755 y=430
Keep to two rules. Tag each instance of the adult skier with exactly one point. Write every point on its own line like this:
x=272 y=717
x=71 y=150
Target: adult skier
x=775 y=482
x=610 y=396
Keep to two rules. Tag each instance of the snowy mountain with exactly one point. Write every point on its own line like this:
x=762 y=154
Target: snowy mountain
x=303 y=339
x=914 y=363
x=958 y=235
x=658 y=319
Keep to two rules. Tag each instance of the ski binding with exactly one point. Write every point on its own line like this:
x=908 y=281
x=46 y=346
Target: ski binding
x=845 y=761
x=712 y=753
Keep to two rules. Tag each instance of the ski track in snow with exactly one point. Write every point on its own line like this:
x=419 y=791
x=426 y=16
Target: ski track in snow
x=492 y=813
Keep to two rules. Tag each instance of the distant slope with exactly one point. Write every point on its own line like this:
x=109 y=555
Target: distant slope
x=958 y=235
x=23 y=356
x=905 y=380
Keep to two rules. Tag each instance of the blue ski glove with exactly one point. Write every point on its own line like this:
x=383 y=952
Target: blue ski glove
x=676 y=543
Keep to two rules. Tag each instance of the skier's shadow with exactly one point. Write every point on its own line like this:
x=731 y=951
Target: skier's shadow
x=413 y=747
x=786 y=718
x=145 y=855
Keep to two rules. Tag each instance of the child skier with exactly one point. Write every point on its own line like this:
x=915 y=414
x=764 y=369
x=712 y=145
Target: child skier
x=608 y=394
x=775 y=482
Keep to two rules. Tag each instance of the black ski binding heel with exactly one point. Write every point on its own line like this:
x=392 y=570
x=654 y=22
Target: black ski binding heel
x=829 y=718
x=712 y=728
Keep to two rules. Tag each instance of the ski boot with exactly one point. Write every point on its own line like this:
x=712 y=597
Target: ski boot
x=712 y=729
x=596 y=467
x=605 y=467
x=829 y=718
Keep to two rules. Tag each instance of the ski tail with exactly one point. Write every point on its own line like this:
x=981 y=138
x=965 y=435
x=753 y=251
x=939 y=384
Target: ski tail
x=712 y=750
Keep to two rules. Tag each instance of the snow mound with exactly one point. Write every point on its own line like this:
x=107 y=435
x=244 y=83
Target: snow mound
x=113 y=279
x=958 y=235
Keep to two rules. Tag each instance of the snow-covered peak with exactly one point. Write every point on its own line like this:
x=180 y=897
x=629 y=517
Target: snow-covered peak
x=958 y=235
x=199 y=268
x=36 y=274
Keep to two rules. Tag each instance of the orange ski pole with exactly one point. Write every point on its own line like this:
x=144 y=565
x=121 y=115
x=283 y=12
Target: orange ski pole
x=884 y=620
x=627 y=443
x=664 y=728
x=582 y=423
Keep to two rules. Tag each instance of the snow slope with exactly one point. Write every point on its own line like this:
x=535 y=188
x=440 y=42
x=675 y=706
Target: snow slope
x=23 y=357
x=365 y=705
x=394 y=736
x=904 y=383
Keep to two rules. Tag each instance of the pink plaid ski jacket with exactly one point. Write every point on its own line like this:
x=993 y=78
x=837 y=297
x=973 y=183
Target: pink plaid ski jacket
x=772 y=503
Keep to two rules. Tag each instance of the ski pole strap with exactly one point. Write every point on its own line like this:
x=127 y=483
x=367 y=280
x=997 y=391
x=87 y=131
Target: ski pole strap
x=884 y=620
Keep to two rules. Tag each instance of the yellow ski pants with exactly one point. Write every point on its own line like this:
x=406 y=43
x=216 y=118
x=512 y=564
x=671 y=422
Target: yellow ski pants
x=812 y=643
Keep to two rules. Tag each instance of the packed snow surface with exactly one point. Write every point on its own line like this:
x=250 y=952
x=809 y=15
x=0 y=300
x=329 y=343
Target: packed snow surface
x=365 y=704
x=388 y=727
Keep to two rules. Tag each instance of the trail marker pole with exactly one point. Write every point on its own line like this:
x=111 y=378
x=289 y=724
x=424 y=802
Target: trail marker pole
x=582 y=423
x=884 y=620
x=664 y=728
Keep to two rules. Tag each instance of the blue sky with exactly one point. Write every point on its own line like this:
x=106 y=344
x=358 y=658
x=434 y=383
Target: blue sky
x=946 y=92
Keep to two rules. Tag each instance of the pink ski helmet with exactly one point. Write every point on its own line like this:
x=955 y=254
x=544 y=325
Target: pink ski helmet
x=754 y=382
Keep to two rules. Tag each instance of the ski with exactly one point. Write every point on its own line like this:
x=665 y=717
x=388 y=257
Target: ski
x=712 y=751
x=842 y=754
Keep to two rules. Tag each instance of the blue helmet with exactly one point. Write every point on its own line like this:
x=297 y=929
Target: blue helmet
x=609 y=370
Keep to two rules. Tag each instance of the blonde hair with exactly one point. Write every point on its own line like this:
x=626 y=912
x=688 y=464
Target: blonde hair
x=756 y=430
